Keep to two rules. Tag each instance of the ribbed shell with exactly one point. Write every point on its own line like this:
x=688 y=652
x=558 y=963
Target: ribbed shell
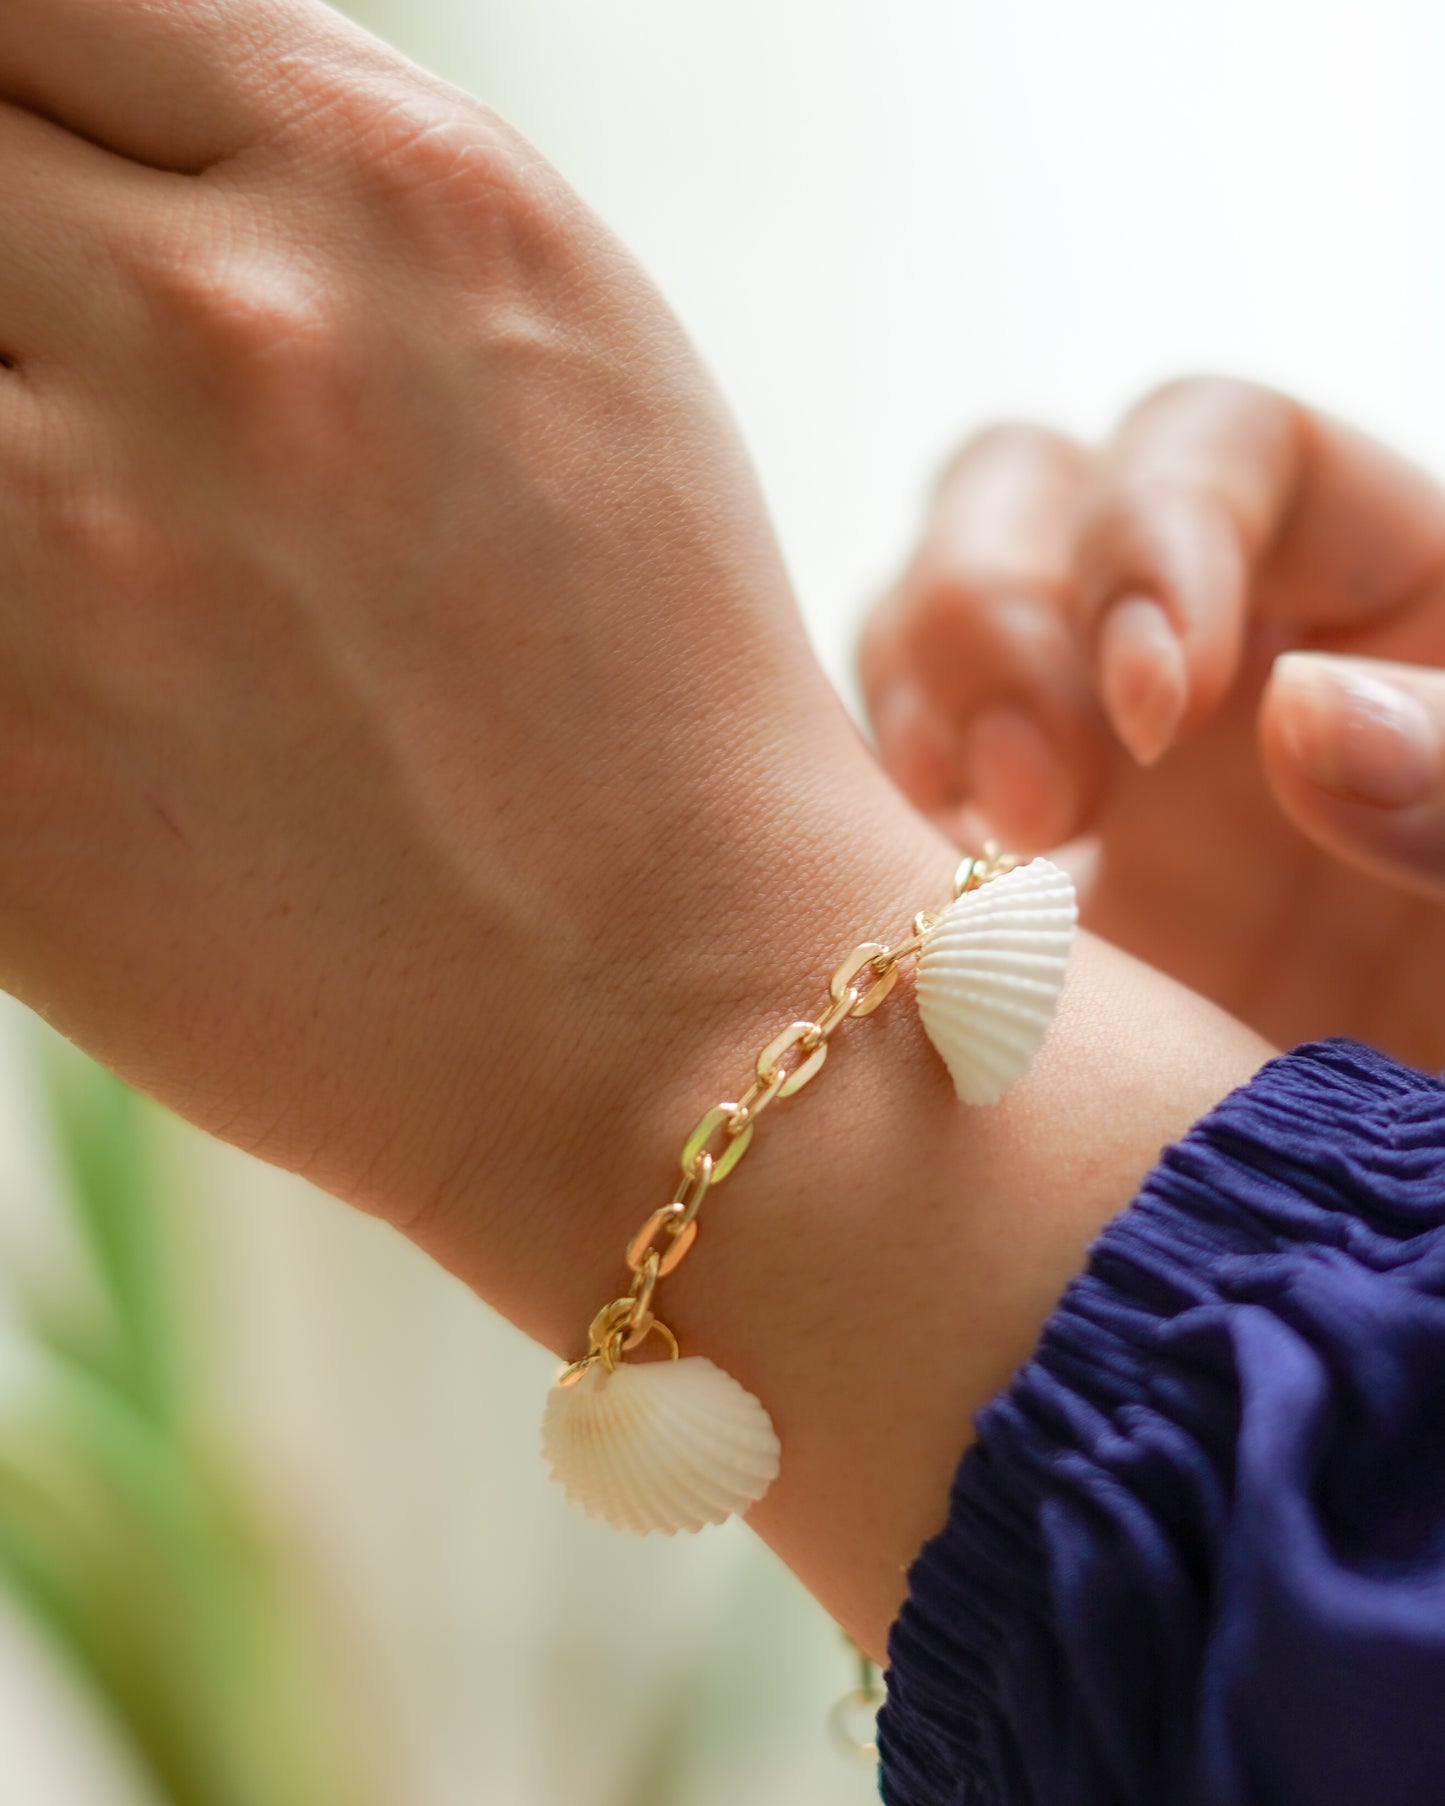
x=990 y=974
x=661 y=1446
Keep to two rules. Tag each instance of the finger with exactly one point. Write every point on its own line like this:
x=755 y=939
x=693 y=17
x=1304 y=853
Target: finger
x=64 y=205
x=1355 y=751
x=970 y=668
x=180 y=84
x=1223 y=511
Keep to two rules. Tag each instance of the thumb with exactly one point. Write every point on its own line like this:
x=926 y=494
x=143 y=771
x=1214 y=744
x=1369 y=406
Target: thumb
x=1354 y=749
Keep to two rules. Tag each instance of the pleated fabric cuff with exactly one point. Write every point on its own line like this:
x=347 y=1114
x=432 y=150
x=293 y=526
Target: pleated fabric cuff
x=1197 y=1551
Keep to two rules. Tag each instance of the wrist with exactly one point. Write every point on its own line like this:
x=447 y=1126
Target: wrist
x=708 y=953
x=884 y=1257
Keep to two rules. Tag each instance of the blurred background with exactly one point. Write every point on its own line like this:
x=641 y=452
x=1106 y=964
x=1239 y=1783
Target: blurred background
x=273 y=1529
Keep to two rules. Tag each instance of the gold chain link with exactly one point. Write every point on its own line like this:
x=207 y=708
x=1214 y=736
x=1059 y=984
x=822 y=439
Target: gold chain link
x=665 y=1239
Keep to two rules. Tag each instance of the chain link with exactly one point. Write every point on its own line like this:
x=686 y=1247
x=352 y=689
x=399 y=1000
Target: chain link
x=644 y=1284
x=680 y=1235
x=664 y=1240
x=977 y=869
x=718 y=1119
x=691 y=1191
x=841 y=985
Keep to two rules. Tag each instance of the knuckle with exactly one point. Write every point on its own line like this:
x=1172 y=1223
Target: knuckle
x=423 y=155
x=1194 y=387
x=279 y=343
x=247 y=307
x=1201 y=398
x=41 y=486
x=432 y=149
x=1132 y=498
x=123 y=610
x=1144 y=513
x=1018 y=438
x=32 y=467
x=119 y=562
x=1023 y=448
x=121 y=546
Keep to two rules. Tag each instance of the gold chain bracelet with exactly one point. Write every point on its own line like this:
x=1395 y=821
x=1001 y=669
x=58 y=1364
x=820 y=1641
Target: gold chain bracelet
x=672 y=1445
x=664 y=1240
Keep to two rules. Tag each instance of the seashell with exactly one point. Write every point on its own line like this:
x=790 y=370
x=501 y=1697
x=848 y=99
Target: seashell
x=990 y=972
x=659 y=1446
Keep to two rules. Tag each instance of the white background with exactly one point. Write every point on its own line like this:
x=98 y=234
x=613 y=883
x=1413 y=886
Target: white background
x=885 y=224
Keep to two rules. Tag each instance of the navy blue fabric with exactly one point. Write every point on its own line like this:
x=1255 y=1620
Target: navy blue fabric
x=1196 y=1556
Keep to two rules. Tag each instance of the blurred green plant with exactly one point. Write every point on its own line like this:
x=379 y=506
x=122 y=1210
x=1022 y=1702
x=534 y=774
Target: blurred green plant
x=133 y=1541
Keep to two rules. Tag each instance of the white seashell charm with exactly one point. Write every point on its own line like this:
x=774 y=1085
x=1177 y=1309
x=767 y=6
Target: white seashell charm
x=659 y=1446
x=989 y=975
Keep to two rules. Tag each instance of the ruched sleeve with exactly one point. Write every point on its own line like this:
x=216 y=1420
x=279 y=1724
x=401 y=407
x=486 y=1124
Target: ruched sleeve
x=1196 y=1555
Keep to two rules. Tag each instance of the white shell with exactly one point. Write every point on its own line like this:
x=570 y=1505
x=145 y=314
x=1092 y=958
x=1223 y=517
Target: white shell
x=990 y=973
x=659 y=1446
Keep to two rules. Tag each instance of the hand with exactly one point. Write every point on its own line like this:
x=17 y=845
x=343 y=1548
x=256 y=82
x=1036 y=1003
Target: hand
x=409 y=743
x=414 y=769
x=1086 y=642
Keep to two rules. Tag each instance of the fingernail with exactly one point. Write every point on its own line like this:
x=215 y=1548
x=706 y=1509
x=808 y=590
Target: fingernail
x=1354 y=734
x=1015 y=774
x=1142 y=680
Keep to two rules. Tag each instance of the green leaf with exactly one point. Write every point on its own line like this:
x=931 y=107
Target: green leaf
x=104 y=1137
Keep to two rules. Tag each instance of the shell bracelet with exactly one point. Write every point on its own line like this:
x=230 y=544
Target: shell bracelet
x=669 y=1445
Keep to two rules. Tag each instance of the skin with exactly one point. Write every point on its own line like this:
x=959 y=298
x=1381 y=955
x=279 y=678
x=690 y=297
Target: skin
x=415 y=772
x=1086 y=642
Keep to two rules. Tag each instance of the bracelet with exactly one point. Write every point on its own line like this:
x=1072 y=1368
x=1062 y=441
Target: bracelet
x=670 y=1445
